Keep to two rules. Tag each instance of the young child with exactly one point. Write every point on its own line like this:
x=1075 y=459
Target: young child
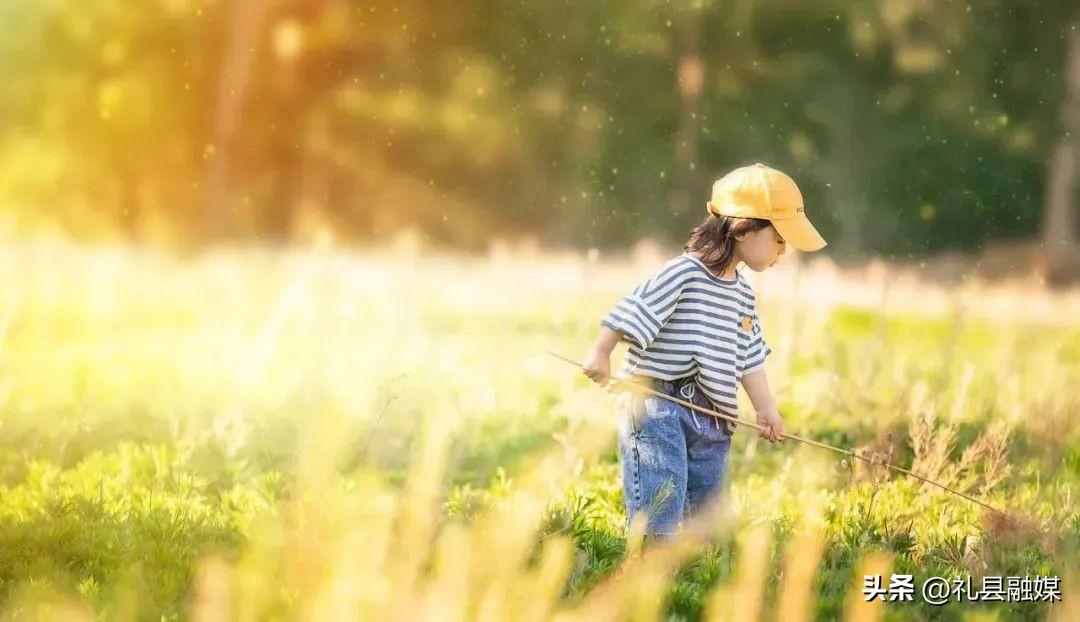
x=693 y=333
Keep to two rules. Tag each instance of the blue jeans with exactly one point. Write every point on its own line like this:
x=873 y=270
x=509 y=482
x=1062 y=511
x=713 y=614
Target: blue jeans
x=674 y=459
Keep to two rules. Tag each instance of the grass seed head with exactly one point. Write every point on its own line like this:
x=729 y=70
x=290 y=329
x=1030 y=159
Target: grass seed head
x=1009 y=526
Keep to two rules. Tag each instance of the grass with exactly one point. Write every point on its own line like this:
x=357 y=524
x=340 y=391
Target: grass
x=260 y=435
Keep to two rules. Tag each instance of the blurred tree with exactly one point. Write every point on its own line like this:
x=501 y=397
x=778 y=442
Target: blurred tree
x=690 y=69
x=245 y=18
x=912 y=126
x=1062 y=202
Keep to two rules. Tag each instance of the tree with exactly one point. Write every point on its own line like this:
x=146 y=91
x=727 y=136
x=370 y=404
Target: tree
x=1060 y=214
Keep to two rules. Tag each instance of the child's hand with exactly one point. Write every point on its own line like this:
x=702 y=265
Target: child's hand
x=773 y=429
x=597 y=366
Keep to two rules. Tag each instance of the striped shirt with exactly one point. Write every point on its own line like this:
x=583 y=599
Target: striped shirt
x=684 y=321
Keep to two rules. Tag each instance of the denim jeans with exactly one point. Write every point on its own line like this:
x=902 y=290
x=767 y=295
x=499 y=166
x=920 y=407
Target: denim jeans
x=674 y=459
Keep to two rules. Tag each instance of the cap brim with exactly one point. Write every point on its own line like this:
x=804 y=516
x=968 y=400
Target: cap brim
x=799 y=233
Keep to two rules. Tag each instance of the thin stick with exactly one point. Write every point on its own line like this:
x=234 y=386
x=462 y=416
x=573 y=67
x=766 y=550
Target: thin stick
x=846 y=452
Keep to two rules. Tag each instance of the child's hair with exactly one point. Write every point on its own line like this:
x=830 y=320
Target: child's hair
x=714 y=239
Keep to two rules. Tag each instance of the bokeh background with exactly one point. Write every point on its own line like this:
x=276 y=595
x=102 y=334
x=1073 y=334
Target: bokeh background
x=278 y=278
x=912 y=127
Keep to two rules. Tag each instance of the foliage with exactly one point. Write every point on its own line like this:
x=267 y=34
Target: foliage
x=307 y=448
x=911 y=126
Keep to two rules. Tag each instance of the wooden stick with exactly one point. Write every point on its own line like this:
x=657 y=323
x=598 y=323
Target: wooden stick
x=846 y=452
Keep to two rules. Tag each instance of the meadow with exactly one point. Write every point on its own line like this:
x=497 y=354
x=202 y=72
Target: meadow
x=328 y=434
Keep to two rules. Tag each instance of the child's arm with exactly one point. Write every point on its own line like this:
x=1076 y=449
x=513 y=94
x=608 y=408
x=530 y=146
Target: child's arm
x=636 y=318
x=757 y=387
x=597 y=364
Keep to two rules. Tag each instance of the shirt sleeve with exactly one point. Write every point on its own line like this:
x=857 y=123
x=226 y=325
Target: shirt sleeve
x=640 y=315
x=758 y=350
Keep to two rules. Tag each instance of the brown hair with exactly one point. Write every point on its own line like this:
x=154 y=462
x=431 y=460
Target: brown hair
x=714 y=239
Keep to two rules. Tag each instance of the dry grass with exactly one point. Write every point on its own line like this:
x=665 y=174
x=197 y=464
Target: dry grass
x=368 y=383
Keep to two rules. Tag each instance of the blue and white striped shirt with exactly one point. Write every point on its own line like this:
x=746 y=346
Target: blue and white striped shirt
x=684 y=321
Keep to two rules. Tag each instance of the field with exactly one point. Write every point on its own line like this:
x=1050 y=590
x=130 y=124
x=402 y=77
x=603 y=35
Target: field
x=325 y=434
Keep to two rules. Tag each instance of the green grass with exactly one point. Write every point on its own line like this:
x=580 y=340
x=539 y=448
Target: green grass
x=150 y=418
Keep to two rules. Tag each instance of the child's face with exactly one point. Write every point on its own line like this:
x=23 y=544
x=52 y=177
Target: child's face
x=760 y=249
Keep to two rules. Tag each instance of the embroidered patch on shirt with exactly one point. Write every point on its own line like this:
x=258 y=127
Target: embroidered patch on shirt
x=747 y=324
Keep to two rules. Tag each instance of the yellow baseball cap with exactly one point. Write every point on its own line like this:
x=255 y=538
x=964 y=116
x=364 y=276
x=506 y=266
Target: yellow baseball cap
x=759 y=191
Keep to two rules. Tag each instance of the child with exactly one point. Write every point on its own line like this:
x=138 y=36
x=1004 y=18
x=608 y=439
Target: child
x=693 y=333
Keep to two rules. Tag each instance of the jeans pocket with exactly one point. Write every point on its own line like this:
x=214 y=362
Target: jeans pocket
x=637 y=410
x=631 y=408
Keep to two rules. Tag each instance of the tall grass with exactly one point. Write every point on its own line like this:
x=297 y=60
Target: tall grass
x=330 y=435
